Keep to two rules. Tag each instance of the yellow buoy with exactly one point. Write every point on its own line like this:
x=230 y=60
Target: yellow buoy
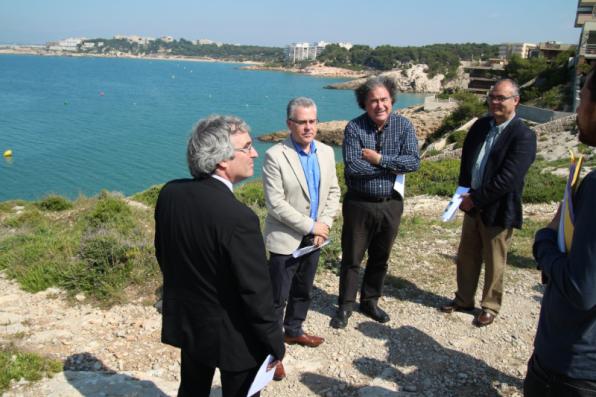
x=8 y=153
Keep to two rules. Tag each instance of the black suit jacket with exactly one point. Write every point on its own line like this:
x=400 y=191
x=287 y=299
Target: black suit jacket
x=499 y=197
x=217 y=297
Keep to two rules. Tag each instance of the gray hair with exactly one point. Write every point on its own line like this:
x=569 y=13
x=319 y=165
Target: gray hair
x=514 y=85
x=372 y=83
x=209 y=143
x=299 y=102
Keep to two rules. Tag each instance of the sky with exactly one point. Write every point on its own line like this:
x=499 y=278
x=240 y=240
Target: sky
x=278 y=22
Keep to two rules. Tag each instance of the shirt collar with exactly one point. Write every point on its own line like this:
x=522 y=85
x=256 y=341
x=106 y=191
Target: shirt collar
x=501 y=126
x=376 y=127
x=225 y=182
x=313 y=147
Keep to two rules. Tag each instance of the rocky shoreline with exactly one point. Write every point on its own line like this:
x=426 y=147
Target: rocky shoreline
x=332 y=132
x=312 y=70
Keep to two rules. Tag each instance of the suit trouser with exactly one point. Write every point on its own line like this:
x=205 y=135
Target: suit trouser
x=540 y=382
x=370 y=226
x=196 y=379
x=480 y=243
x=292 y=280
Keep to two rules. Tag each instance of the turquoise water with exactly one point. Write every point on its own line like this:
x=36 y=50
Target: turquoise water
x=80 y=125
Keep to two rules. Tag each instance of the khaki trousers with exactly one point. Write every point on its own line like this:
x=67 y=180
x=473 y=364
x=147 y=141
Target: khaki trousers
x=478 y=244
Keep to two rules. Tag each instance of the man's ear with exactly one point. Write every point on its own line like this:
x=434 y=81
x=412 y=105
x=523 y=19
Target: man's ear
x=223 y=165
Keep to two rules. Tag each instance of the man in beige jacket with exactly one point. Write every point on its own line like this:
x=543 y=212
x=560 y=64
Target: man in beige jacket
x=302 y=196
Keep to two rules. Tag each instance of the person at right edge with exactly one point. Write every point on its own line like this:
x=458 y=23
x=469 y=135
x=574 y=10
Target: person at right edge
x=497 y=153
x=564 y=358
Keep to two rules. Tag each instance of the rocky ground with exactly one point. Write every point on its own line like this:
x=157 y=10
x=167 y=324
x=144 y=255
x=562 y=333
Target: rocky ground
x=420 y=352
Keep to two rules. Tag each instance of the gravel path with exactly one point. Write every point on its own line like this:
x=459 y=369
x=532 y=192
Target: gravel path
x=420 y=352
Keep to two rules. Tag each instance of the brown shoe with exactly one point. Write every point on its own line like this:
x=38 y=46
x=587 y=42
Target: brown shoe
x=454 y=307
x=304 y=340
x=280 y=372
x=484 y=318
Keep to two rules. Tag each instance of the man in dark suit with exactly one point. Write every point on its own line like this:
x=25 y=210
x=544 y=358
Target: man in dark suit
x=496 y=156
x=217 y=296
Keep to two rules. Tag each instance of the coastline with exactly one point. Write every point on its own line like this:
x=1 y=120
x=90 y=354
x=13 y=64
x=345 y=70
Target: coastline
x=38 y=52
x=312 y=70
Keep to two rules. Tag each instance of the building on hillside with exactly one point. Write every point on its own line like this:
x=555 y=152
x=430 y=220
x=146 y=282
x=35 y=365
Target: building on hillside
x=585 y=18
x=347 y=46
x=297 y=52
x=551 y=49
x=70 y=44
x=483 y=75
x=167 y=39
x=135 y=39
x=207 y=42
x=506 y=50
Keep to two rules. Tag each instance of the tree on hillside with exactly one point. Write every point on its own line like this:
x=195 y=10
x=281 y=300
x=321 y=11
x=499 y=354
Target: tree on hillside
x=523 y=70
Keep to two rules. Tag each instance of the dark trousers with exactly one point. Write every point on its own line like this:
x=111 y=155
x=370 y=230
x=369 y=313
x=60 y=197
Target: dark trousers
x=540 y=382
x=370 y=226
x=196 y=379
x=292 y=280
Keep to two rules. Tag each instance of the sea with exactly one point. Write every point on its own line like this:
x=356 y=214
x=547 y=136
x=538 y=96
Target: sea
x=78 y=125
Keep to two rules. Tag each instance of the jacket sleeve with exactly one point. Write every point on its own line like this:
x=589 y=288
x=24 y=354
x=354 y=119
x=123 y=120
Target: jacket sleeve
x=518 y=159
x=573 y=275
x=246 y=251
x=275 y=198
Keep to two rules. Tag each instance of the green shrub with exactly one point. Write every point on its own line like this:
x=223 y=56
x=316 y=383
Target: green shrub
x=110 y=211
x=251 y=193
x=29 y=218
x=470 y=106
x=103 y=268
x=433 y=178
x=16 y=365
x=102 y=250
x=7 y=206
x=38 y=258
x=458 y=138
x=148 y=196
x=542 y=187
x=54 y=202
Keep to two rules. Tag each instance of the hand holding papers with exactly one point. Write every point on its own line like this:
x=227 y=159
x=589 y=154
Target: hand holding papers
x=400 y=184
x=308 y=249
x=567 y=220
x=263 y=376
x=453 y=205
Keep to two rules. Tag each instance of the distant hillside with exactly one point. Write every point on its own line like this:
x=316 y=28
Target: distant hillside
x=183 y=47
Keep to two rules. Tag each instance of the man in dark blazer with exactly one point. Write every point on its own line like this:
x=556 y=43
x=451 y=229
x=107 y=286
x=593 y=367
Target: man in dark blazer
x=496 y=156
x=217 y=296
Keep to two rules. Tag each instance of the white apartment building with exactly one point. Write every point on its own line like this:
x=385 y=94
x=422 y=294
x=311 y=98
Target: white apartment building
x=506 y=50
x=207 y=42
x=69 y=44
x=297 y=52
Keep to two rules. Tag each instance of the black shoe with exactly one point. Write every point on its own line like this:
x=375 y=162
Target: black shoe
x=373 y=311
x=454 y=307
x=340 y=320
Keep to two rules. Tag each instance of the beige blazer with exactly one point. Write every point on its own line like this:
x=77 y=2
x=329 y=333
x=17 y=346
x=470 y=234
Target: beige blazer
x=286 y=195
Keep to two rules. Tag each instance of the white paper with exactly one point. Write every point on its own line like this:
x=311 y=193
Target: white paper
x=400 y=184
x=262 y=378
x=453 y=205
x=308 y=249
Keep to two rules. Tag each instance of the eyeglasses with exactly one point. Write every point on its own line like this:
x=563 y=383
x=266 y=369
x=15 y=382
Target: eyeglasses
x=246 y=150
x=498 y=98
x=305 y=122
